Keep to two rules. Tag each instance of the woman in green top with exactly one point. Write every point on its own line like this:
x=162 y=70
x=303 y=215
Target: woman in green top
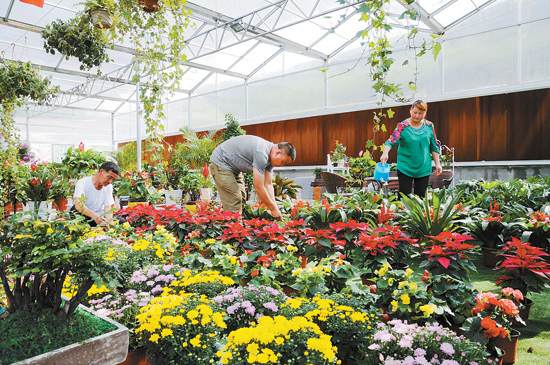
x=416 y=139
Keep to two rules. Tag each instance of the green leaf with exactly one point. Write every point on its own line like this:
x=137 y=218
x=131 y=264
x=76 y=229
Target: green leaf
x=436 y=49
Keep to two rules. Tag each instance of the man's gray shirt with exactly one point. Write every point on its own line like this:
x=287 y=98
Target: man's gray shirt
x=240 y=154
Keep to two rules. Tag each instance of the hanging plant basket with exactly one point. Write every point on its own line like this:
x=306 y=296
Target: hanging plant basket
x=149 y=6
x=101 y=18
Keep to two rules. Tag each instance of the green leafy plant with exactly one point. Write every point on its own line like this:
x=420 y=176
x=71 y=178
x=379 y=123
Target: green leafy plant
x=39 y=255
x=20 y=81
x=137 y=186
x=195 y=150
x=284 y=188
x=77 y=38
x=339 y=152
x=317 y=172
x=430 y=218
x=126 y=157
x=232 y=128
x=80 y=162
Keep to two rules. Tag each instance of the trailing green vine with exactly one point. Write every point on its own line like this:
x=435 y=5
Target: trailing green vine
x=160 y=58
x=19 y=82
x=380 y=59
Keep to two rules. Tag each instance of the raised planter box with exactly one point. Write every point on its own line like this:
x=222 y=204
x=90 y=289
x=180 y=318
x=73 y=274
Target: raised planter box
x=107 y=349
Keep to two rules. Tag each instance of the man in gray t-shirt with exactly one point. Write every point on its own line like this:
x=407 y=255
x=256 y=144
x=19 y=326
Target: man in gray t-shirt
x=253 y=154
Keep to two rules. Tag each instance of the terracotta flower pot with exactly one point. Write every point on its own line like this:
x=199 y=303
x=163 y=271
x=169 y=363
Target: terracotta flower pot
x=136 y=357
x=60 y=204
x=149 y=6
x=509 y=346
x=303 y=259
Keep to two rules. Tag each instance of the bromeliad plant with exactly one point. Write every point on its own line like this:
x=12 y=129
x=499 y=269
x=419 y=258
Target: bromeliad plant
x=37 y=183
x=430 y=217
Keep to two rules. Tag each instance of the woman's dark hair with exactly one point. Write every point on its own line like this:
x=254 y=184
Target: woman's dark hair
x=422 y=105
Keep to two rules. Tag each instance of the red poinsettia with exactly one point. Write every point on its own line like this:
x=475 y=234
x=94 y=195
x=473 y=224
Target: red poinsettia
x=523 y=267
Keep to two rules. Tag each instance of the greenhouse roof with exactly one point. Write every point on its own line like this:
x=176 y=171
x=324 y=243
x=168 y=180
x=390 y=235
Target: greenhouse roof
x=235 y=40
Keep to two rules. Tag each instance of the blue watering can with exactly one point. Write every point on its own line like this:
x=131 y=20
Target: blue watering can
x=382 y=172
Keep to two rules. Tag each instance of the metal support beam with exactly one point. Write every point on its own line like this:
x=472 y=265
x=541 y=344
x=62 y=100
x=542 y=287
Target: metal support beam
x=251 y=23
x=118 y=48
x=425 y=17
x=138 y=129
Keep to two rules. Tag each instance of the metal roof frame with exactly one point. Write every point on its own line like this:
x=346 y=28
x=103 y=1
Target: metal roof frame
x=260 y=25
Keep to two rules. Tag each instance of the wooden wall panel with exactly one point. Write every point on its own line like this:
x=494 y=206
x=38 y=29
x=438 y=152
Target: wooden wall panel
x=512 y=126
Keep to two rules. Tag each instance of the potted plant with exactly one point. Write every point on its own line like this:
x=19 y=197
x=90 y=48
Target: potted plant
x=196 y=149
x=37 y=185
x=431 y=342
x=317 y=172
x=24 y=152
x=79 y=162
x=138 y=187
x=362 y=166
x=206 y=184
x=284 y=187
x=491 y=323
x=339 y=155
x=492 y=230
x=100 y=12
x=78 y=38
x=298 y=332
x=525 y=270
x=448 y=254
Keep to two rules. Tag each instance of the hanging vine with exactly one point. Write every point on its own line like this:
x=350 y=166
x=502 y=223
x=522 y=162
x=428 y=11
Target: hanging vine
x=380 y=60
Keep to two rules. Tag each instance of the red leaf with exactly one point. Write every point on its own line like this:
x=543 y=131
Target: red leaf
x=444 y=262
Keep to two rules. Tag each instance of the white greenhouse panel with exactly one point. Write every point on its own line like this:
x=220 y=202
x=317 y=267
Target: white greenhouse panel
x=304 y=91
x=177 y=116
x=265 y=98
x=42 y=151
x=534 y=10
x=203 y=111
x=484 y=61
x=294 y=62
x=535 y=52
x=125 y=127
x=271 y=69
x=499 y=14
x=231 y=101
x=349 y=83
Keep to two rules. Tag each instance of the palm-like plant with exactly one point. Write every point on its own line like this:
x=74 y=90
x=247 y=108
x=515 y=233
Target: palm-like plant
x=425 y=219
x=285 y=187
x=195 y=150
x=126 y=157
